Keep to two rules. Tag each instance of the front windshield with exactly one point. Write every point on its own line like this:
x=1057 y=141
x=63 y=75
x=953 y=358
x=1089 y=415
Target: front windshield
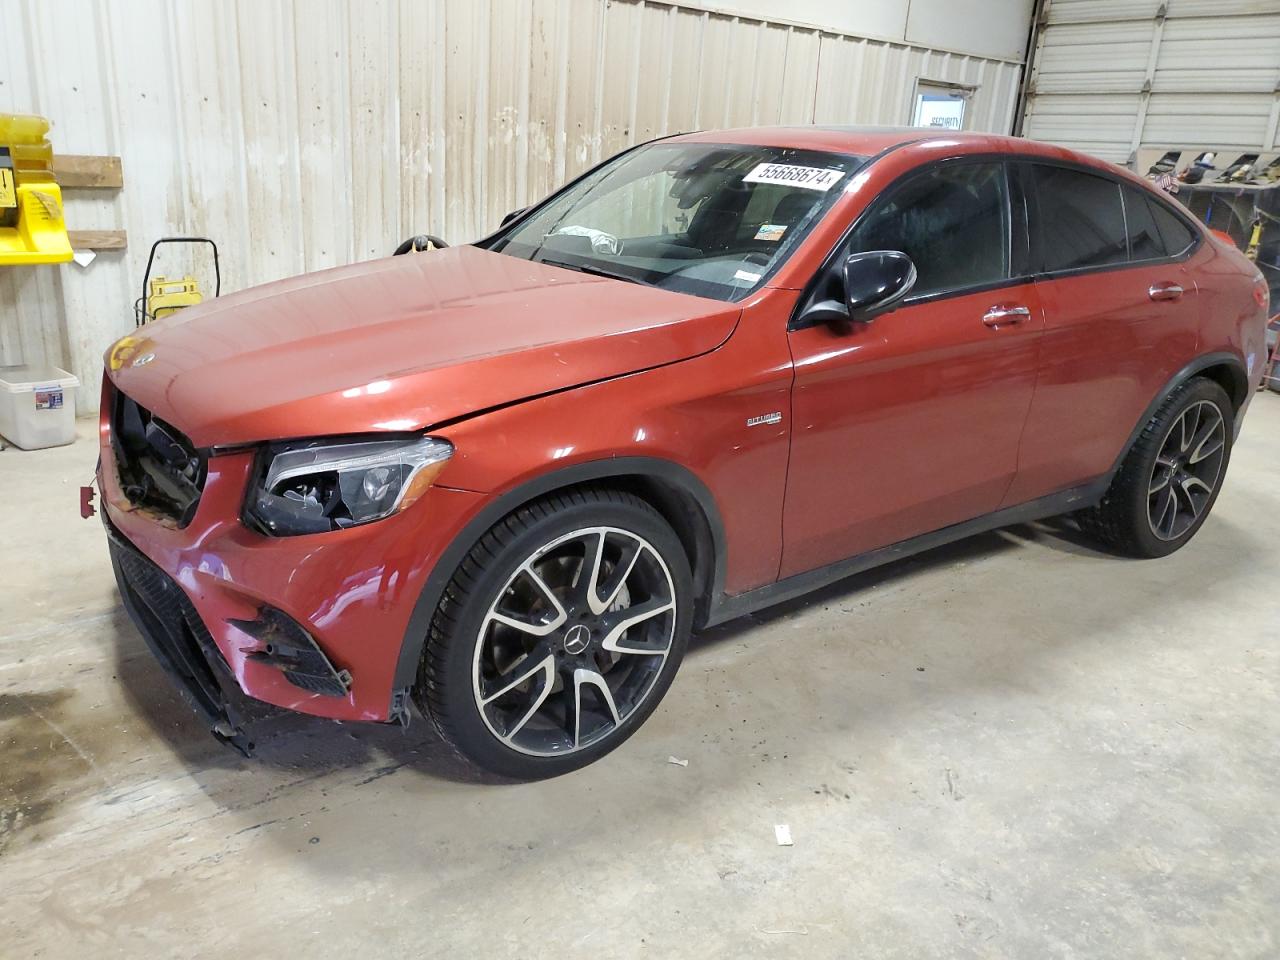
x=713 y=220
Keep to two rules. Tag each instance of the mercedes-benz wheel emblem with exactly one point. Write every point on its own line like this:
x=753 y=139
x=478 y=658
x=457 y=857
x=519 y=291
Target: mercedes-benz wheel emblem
x=577 y=639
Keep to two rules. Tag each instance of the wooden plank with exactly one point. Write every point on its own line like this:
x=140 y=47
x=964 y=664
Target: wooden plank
x=90 y=173
x=97 y=239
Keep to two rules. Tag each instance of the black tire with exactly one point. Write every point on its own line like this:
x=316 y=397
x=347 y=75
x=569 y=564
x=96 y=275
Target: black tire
x=460 y=656
x=1126 y=519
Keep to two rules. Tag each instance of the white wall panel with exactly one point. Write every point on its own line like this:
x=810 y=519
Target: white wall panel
x=305 y=134
x=990 y=28
x=1102 y=11
x=73 y=302
x=1111 y=76
x=1219 y=54
x=885 y=19
x=1094 y=58
x=986 y=28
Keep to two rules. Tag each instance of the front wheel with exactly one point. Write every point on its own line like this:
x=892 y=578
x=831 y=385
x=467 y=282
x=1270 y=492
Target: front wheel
x=1169 y=480
x=558 y=634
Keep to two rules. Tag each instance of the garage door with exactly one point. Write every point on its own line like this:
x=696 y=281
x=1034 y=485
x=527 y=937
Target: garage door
x=1110 y=76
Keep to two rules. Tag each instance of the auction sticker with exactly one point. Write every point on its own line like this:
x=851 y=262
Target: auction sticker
x=811 y=178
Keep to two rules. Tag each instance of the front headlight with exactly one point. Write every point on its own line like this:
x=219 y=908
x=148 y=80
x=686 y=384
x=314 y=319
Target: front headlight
x=312 y=487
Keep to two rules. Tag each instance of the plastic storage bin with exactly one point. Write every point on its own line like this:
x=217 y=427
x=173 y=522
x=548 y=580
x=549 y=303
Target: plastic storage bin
x=37 y=406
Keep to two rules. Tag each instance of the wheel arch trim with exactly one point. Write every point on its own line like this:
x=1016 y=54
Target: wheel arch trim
x=1201 y=363
x=675 y=482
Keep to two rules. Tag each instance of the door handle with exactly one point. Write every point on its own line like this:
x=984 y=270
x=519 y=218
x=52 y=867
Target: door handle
x=1165 y=291
x=1001 y=316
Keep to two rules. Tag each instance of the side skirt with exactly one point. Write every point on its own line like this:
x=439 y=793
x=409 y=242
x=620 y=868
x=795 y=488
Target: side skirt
x=1066 y=501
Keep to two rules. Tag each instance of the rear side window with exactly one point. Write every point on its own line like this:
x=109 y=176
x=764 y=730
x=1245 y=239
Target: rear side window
x=1145 y=242
x=952 y=221
x=1081 y=220
x=1175 y=234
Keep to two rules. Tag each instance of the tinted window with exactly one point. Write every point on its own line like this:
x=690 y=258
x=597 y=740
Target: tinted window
x=1177 y=236
x=1081 y=219
x=1145 y=242
x=951 y=221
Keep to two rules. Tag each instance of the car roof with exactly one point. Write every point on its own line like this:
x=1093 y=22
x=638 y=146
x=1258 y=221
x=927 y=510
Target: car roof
x=866 y=141
x=870 y=140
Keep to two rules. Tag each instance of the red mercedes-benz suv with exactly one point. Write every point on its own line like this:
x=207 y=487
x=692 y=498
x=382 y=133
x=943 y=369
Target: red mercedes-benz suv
x=506 y=480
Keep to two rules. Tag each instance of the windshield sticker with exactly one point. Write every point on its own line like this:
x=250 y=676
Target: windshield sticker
x=811 y=178
x=744 y=275
x=771 y=231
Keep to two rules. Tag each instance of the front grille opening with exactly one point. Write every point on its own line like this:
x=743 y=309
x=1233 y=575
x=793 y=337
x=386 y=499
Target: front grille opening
x=159 y=468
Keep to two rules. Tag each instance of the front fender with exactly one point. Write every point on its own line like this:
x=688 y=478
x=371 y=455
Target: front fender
x=706 y=527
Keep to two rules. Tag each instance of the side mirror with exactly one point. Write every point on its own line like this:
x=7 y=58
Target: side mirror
x=511 y=216
x=423 y=241
x=875 y=281
x=871 y=283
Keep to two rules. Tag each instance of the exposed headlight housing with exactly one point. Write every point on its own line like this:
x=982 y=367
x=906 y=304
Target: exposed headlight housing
x=317 y=486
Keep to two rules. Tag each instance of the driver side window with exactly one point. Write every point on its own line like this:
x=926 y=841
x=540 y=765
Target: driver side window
x=951 y=220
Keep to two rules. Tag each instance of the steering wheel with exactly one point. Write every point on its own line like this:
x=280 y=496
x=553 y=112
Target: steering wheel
x=423 y=241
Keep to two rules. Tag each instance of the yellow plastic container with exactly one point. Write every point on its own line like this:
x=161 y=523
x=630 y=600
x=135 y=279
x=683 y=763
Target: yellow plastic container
x=23 y=128
x=32 y=227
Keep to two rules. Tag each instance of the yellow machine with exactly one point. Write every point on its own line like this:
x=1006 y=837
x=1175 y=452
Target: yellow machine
x=32 y=229
x=162 y=296
x=169 y=296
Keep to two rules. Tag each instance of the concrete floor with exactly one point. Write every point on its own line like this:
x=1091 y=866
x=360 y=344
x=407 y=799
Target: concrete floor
x=1013 y=747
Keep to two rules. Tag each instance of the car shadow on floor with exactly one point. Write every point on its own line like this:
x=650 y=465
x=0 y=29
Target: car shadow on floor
x=1058 y=534
x=307 y=763
x=304 y=748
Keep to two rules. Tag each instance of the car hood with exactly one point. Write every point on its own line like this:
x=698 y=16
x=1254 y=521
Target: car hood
x=401 y=344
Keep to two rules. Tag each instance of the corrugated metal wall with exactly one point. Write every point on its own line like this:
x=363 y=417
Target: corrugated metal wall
x=301 y=135
x=1110 y=76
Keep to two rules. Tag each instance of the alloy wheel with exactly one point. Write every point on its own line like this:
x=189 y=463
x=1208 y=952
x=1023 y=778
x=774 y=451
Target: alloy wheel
x=574 y=641
x=1186 y=470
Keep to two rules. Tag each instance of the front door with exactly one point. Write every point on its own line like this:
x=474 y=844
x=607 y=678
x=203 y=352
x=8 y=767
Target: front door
x=911 y=422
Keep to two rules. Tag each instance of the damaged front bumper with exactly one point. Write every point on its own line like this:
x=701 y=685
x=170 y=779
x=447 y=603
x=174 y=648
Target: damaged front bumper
x=178 y=639
x=309 y=623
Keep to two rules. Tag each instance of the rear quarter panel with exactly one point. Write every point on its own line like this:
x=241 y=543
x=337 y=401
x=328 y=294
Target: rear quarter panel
x=1231 y=320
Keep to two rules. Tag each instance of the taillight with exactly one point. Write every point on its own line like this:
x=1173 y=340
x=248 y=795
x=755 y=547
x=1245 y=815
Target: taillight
x=1260 y=291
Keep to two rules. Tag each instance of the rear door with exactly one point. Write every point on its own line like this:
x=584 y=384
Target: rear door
x=1120 y=320
x=910 y=422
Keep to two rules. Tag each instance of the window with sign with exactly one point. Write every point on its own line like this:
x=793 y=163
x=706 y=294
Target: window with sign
x=940 y=106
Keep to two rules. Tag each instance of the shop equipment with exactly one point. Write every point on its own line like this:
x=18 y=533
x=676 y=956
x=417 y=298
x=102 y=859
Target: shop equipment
x=32 y=228
x=162 y=296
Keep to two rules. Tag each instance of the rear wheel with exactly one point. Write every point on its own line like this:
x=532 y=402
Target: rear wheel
x=558 y=635
x=1169 y=480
